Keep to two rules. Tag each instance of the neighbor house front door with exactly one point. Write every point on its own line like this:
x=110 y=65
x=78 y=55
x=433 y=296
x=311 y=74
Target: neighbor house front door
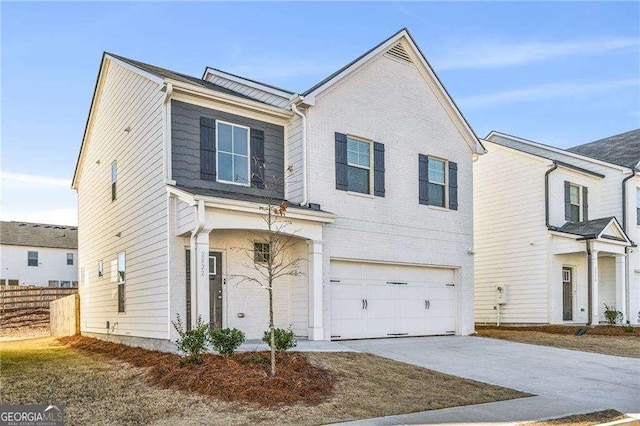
x=567 y=294
x=215 y=288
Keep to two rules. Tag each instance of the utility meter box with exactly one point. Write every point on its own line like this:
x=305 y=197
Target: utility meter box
x=501 y=294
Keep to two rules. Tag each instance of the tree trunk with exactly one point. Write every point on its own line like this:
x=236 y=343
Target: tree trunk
x=272 y=331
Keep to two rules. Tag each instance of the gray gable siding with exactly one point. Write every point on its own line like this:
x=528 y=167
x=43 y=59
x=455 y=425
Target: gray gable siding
x=185 y=149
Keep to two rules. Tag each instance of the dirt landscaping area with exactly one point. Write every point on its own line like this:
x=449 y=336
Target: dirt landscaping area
x=24 y=323
x=589 y=419
x=101 y=388
x=608 y=340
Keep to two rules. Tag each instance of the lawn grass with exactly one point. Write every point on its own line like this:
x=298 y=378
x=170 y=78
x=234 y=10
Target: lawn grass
x=98 y=390
x=602 y=340
x=588 y=419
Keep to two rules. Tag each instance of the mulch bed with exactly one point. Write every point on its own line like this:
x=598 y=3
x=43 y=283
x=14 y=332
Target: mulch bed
x=600 y=330
x=241 y=377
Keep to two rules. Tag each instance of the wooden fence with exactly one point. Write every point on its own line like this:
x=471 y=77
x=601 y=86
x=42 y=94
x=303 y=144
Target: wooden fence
x=64 y=316
x=23 y=297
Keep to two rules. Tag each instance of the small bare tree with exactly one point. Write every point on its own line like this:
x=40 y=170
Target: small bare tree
x=270 y=250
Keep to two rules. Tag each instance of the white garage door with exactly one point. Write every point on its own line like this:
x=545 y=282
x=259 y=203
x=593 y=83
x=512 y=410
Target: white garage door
x=376 y=300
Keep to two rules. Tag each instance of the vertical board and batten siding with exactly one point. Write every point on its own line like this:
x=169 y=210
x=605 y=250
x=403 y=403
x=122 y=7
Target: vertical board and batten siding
x=252 y=92
x=606 y=284
x=138 y=215
x=511 y=238
x=186 y=152
x=293 y=146
x=52 y=265
x=390 y=102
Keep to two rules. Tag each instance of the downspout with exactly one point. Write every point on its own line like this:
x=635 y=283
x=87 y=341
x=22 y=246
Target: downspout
x=627 y=272
x=589 y=282
x=546 y=194
x=295 y=109
x=199 y=211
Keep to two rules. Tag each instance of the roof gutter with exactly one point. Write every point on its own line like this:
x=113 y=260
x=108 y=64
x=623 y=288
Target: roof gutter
x=624 y=198
x=294 y=108
x=546 y=194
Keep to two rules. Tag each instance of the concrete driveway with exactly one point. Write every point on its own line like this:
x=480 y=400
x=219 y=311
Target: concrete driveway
x=565 y=380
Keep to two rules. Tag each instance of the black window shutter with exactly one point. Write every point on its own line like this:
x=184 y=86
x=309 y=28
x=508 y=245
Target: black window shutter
x=207 y=148
x=585 y=203
x=423 y=179
x=567 y=201
x=341 y=162
x=453 y=185
x=257 y=158
x=378 y=169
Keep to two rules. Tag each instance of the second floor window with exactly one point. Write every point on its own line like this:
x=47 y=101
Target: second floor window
x=69 y=258
x=638 y=206
x=233 y=153
x=121 y=267
x=100 y=269
x=574 y=200
x=114 y=179
x=32 y=258
x=358 y=165
x=437 y=182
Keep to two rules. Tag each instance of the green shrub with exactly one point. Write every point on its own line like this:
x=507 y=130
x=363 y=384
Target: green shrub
x=284 y=339
x=225 y=341
x=628 y=328
x=256 y=358
x=612 y=316
x=192 y=343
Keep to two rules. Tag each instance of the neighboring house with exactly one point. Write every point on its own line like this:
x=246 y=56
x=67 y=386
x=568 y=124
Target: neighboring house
x=557 y=230
x=380 y=200
x=38 y=254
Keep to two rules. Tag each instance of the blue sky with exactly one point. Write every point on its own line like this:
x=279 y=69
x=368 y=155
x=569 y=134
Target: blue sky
x=559 y=73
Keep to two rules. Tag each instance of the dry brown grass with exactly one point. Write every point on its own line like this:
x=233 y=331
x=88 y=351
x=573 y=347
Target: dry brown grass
x=602 y=340
x=588 y=419
x=99 y=390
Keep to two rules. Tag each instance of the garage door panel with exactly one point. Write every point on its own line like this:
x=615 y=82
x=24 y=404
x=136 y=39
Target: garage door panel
x=441 y=313
x=347 y=329
x=345 y=290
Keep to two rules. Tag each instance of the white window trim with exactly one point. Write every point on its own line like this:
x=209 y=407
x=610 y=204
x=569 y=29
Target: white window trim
x=580 y=202
x=445 y=184
x=218 y=122
x=370 y=168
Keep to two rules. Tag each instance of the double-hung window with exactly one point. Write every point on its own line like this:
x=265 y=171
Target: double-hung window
x=358 y=165
x=69 y=258
x=575 y=202
x=233 y=153
x=32 y=258
x=437 y=182
x=261 y=252
x=121 y=270
x=114 y=179
x=638 y=206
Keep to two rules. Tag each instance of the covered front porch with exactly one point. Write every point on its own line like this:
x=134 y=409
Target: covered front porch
x=588 y=272
x=221 y=239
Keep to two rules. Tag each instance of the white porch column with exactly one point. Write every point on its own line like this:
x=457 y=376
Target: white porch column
x=316 y=331
x=595 y=300
x=621 y=302
x=200 y=297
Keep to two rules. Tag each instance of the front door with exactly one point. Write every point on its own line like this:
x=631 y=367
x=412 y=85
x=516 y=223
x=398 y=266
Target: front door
x=215 y=288
x=567 y=294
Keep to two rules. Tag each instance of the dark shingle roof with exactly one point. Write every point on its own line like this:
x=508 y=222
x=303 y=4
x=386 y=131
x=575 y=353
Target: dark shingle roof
x=240 y=197
x=622 y=149
x=38 y=235
x=588 y=228
x=165 y=73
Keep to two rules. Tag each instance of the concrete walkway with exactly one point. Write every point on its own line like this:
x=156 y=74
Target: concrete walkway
x=565 y=382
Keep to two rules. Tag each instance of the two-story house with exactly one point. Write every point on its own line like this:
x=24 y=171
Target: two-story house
x=555 y=231
x=38 y=254
x=374 y=162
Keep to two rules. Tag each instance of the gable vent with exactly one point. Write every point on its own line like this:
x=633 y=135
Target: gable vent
x=399 y=52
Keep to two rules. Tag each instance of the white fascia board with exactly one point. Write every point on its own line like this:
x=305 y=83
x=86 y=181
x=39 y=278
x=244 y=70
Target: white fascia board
x=230 y=99
x=249 y=83
x=557 y=150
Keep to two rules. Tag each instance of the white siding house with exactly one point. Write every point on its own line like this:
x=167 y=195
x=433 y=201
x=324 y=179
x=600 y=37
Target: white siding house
x=38 y=254
x=375 y=165
x=551 y=233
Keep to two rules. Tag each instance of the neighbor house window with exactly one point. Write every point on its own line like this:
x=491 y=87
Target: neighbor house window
x=65 y=284
x=69 y=258
x=32 y=258
x=53 y=283
x=3 y=281
x=114 y=179
x=233 y=153
x=261 y=252
x=358 y=165
x=74 y=283
x=638 y=206
x=575 y=202
x=14 y=282
x=437 y=182
x=100 y=269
